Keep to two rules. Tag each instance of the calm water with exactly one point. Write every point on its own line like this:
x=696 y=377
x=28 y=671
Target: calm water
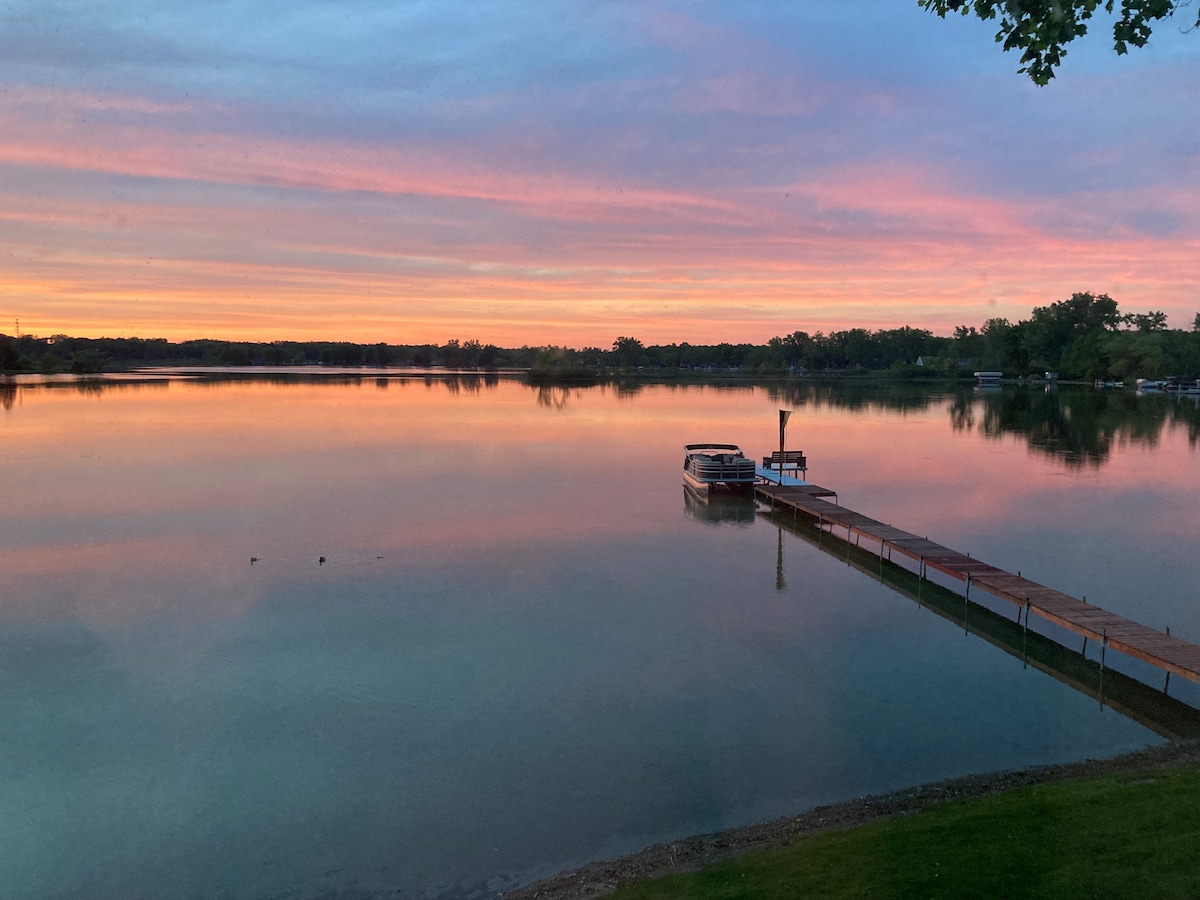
x=525 y=648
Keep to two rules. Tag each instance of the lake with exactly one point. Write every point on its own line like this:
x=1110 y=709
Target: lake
x=486 y=635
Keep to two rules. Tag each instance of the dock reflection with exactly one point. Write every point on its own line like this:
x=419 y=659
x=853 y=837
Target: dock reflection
x=1166 y=716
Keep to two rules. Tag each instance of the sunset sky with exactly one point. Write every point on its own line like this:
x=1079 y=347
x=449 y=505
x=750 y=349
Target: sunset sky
x=566 y=172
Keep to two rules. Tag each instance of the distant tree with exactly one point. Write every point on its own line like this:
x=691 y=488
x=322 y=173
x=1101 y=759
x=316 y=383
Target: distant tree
x=275 y=355
x=1041 y=29
x=379 y=354
x=795 y=347
x=1151 y=321
x=472 y=350
x=11 y=361
x=451 y=354
x=1196 y=323
x=1050 y=332
x=1134 y=354
x=48 y=364
x=235 y=354
x=87 y=362
x=968 y=343
x=489 y=354
x=998 y=338
x=628 y=351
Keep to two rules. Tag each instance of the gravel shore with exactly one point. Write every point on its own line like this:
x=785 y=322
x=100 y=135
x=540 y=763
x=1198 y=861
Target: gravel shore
x=599 y=878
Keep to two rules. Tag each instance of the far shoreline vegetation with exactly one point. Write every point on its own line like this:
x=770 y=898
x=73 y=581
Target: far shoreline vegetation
x=1085 y=337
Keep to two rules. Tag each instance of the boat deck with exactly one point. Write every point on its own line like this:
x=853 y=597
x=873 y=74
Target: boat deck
x=1160 y=649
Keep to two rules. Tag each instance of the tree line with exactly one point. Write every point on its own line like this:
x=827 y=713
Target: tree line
x=1083 y=337
x=62 y=353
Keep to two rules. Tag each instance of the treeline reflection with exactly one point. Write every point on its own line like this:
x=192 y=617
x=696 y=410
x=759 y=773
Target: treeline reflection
x=1078 y=427
x=1075 y=425
x=892 y=396
x=453 y=382
x=11 y=390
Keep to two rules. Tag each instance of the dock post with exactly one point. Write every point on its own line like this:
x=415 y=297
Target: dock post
x=968 y=594
x=1167 y=683
x=1024 y=636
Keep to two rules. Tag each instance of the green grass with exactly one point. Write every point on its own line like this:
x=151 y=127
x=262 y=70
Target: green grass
x=1134 y=835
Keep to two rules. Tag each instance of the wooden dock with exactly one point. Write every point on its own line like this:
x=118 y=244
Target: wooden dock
x=1160 y=649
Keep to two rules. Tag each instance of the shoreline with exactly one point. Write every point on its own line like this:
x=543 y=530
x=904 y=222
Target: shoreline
x=601 y=877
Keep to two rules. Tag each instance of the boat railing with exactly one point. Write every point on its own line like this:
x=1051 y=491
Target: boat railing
x=708 y=468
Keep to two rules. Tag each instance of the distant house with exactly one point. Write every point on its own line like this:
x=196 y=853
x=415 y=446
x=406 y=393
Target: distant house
x=920 y=360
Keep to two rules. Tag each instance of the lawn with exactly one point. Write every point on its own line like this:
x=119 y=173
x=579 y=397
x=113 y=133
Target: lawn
x=1135 y=835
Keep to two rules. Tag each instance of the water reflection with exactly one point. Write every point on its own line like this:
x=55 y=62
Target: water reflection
x=516 y=633
x=453 y=381
x=893 y=396
x=1075 y=425
x=12 y=388
x=471 y=384
x=1079 y=427
x=1155 y=709
x=719 y=508
x=552 y=396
